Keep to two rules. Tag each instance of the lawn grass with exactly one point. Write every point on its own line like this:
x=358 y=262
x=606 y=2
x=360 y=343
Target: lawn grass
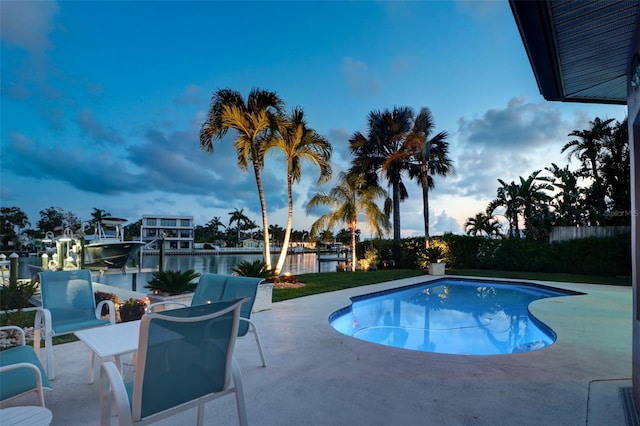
x=323 y=282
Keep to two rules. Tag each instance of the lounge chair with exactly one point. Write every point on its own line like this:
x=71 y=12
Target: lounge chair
x=21 y=371
x=216 y=287
x=184 y=359
x=68 y=305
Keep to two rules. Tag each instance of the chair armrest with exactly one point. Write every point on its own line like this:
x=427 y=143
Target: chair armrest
x=112 y=310
x=43 y=321
x=152 y=306
x=34 y=369
x=18 y=329
x=112 y=387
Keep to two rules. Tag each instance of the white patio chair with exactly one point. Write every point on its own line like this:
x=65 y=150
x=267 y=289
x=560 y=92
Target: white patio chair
x=185 y=359
x=68 y=305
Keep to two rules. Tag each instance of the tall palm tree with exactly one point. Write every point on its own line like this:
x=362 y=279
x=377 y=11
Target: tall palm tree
x=254 y=122
x=299 y=143
x=616 y=172
x=588 y=148
x=426 y=157
x=240 y=219
x=386 y=133
x=351 y=197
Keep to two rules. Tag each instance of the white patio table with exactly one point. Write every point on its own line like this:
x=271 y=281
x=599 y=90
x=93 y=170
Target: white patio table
x=110 y=341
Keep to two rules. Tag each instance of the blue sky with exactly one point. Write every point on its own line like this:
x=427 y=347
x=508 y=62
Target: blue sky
x=102 y=102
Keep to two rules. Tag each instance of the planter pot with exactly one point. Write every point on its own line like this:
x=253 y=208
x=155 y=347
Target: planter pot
x=436 y=268
x=264 y=297
x=131 y=313
x=184 y=298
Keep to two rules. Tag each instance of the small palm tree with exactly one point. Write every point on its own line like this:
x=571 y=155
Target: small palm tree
x=173 y=282
x=351 y=197
x=257 y=268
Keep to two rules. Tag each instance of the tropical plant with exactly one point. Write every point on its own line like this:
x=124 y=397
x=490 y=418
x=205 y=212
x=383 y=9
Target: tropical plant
x=426 y=157
x=588 y=148
x=254 y=121
x=350 y=197
x=299 y=143
x=240 y=220
x=257 y=268
x=568 y=200
x=480 y=223
x=616 y=174
x=173 y=282
x=374 y=154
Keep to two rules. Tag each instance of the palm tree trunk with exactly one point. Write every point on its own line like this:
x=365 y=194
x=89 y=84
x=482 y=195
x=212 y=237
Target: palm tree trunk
x=396 y=211
x=353 y=247
x=425 y=208
x=265 y=223
x=287 y=232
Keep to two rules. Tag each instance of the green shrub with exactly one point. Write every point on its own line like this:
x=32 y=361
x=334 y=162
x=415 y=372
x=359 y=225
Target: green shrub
x=173 y=282
x=257 y=268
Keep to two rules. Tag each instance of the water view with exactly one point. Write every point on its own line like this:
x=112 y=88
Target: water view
x=296 y=263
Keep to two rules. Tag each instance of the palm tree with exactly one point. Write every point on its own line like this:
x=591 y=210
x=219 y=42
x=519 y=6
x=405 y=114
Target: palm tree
x=254 y=122
x=588 y=148
x=351 y=197
x=299 y=143
x=240 y=219
x=480 y=223
x=426 y=157
x=568 y=199
x=616 y=173
x=507 y=197
x=97 y=215
x=386 y=133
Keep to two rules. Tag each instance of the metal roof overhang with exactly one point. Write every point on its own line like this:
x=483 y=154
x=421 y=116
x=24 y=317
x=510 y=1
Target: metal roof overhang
x=579 y=50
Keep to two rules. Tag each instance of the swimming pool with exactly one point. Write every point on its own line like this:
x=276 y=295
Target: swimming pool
x=451 y=316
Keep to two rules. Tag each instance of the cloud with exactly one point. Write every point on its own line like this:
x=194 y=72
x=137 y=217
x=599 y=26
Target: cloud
x=503 y=143
x=96 y=131
x=27 y=24
x=359 y=78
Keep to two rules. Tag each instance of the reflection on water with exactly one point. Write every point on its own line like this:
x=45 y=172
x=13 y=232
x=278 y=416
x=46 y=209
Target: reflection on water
x=296 y=263
x=451 y=317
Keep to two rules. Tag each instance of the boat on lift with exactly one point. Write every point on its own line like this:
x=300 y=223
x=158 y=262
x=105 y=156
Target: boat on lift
x=108 y=248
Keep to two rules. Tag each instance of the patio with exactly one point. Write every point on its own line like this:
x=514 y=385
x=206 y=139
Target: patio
x=316 y=376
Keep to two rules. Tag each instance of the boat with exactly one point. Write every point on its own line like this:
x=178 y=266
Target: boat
x=108 y=248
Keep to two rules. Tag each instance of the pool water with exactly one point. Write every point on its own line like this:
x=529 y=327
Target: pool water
x=451 y=316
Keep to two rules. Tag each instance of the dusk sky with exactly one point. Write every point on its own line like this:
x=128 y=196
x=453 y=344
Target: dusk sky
x=102 y=102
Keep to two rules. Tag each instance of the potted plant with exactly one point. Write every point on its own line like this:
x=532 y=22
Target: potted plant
x=174 y=286
x=435 y=255
x=132 y=309
x=258 y=269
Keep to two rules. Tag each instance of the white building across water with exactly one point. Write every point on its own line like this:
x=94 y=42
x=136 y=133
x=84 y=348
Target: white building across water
x=177 y=231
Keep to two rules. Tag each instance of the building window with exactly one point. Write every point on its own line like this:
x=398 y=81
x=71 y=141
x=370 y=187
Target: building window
x=185 y=223
x=168 y=222
x=151 y=222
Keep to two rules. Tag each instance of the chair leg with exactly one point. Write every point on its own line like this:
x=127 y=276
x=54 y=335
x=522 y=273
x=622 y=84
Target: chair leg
x=51 y=373
x=239 y=391
x=200 y=420
x=253 y=328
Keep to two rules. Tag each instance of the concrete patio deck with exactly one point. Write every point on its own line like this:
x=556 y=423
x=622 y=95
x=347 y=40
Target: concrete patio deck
x=317 y=376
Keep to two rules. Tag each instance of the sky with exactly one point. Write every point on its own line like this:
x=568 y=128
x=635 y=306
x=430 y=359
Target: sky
x=101 y=103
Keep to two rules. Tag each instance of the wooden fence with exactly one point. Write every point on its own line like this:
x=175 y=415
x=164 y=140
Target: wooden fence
x=563 y=233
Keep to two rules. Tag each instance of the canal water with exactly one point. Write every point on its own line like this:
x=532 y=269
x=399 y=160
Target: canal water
x=296 y=263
